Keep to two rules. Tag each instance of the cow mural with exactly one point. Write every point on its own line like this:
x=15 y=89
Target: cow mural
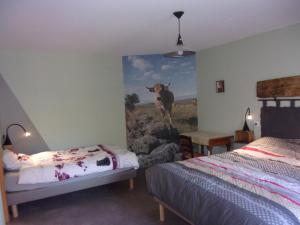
x=164 y=100
x=153 y=85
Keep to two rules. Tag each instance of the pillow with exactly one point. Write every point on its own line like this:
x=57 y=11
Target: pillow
x=13 y=161
x=10 y=160
x=287 y=147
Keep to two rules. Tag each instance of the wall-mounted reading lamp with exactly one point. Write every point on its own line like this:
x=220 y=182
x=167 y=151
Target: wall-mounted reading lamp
x=248 y=116
x=6 y=138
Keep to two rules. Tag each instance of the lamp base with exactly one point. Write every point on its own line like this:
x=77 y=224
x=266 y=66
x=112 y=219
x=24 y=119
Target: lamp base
x=246 y=128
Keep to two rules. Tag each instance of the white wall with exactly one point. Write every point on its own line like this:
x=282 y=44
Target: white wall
x=72 y=100
x=241 y=64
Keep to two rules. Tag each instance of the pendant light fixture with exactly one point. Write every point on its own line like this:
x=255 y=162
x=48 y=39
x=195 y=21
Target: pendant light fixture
x=181 y=50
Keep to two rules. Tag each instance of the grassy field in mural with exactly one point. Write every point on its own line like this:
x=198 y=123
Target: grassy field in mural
x=184 y=114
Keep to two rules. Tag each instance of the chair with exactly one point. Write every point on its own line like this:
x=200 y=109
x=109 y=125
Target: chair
x=186 y=147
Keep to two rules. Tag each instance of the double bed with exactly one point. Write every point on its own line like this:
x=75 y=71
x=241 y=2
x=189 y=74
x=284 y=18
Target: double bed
x=256 y=184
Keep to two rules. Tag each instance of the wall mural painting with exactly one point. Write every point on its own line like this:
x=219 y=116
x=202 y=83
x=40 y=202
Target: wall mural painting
x=160 y=103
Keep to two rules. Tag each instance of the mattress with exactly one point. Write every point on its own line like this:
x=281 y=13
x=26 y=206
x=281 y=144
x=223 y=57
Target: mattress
x=253 y=185
x=52 y=166
x=11 y=180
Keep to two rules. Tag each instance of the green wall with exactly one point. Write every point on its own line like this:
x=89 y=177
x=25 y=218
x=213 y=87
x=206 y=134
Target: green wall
x=241 y=64
x=77 y=99
x=72 y=100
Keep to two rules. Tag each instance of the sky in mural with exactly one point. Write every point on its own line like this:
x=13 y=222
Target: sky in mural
x=147 y=70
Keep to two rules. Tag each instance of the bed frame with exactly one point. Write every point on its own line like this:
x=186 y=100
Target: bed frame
x=68 y=186
x=275 y=90
x=2 y=187
x=162 y=206
x=12 y=199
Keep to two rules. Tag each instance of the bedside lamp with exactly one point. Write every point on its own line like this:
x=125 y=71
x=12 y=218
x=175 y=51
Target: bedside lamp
x=249 y=117
x=7 y=140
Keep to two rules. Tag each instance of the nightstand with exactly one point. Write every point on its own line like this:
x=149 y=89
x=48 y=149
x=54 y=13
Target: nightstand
x=244 y=136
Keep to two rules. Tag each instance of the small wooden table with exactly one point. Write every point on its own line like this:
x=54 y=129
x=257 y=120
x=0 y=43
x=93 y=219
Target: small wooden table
x=210 y=140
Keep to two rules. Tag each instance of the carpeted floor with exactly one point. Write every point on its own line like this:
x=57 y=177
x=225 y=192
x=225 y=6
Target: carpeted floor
x=111 y=204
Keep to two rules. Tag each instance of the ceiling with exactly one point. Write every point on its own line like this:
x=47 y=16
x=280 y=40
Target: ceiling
x=129 y=27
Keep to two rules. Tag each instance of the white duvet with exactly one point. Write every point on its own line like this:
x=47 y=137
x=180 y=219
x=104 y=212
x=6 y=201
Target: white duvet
x=54 y=166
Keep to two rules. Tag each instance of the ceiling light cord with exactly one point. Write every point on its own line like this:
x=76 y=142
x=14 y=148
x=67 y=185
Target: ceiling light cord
x=179 y=30
x=179 y=41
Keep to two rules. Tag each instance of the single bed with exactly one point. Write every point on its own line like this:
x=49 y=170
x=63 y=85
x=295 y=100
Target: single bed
x=48 y=174
x=257 y=184
x=20 y=193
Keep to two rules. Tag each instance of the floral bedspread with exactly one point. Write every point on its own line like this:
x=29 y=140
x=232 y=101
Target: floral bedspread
x=61 y=165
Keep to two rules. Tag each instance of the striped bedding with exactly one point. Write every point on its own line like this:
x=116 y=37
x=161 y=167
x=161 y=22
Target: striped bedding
x=257 y=184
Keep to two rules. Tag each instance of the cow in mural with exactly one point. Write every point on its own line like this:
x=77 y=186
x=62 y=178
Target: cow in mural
x=164 y=100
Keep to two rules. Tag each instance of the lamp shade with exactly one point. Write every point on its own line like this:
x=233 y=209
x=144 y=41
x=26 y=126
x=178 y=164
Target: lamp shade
x=246 y=127
x=247 y=116
x=179 y=54
x=7 y=141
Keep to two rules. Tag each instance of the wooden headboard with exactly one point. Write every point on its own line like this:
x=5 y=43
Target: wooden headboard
x=281 y=87
x=278 y=121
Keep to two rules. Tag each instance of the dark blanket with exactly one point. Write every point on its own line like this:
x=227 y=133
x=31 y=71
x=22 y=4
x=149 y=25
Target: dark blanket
x=213 y=192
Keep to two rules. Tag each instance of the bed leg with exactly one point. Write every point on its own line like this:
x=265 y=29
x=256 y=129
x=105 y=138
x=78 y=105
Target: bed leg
x=131 y=184
x=161 y=213
x=14 y=209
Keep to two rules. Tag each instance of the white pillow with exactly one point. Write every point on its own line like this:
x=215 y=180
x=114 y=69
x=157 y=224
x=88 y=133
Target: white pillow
x=10 y=160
